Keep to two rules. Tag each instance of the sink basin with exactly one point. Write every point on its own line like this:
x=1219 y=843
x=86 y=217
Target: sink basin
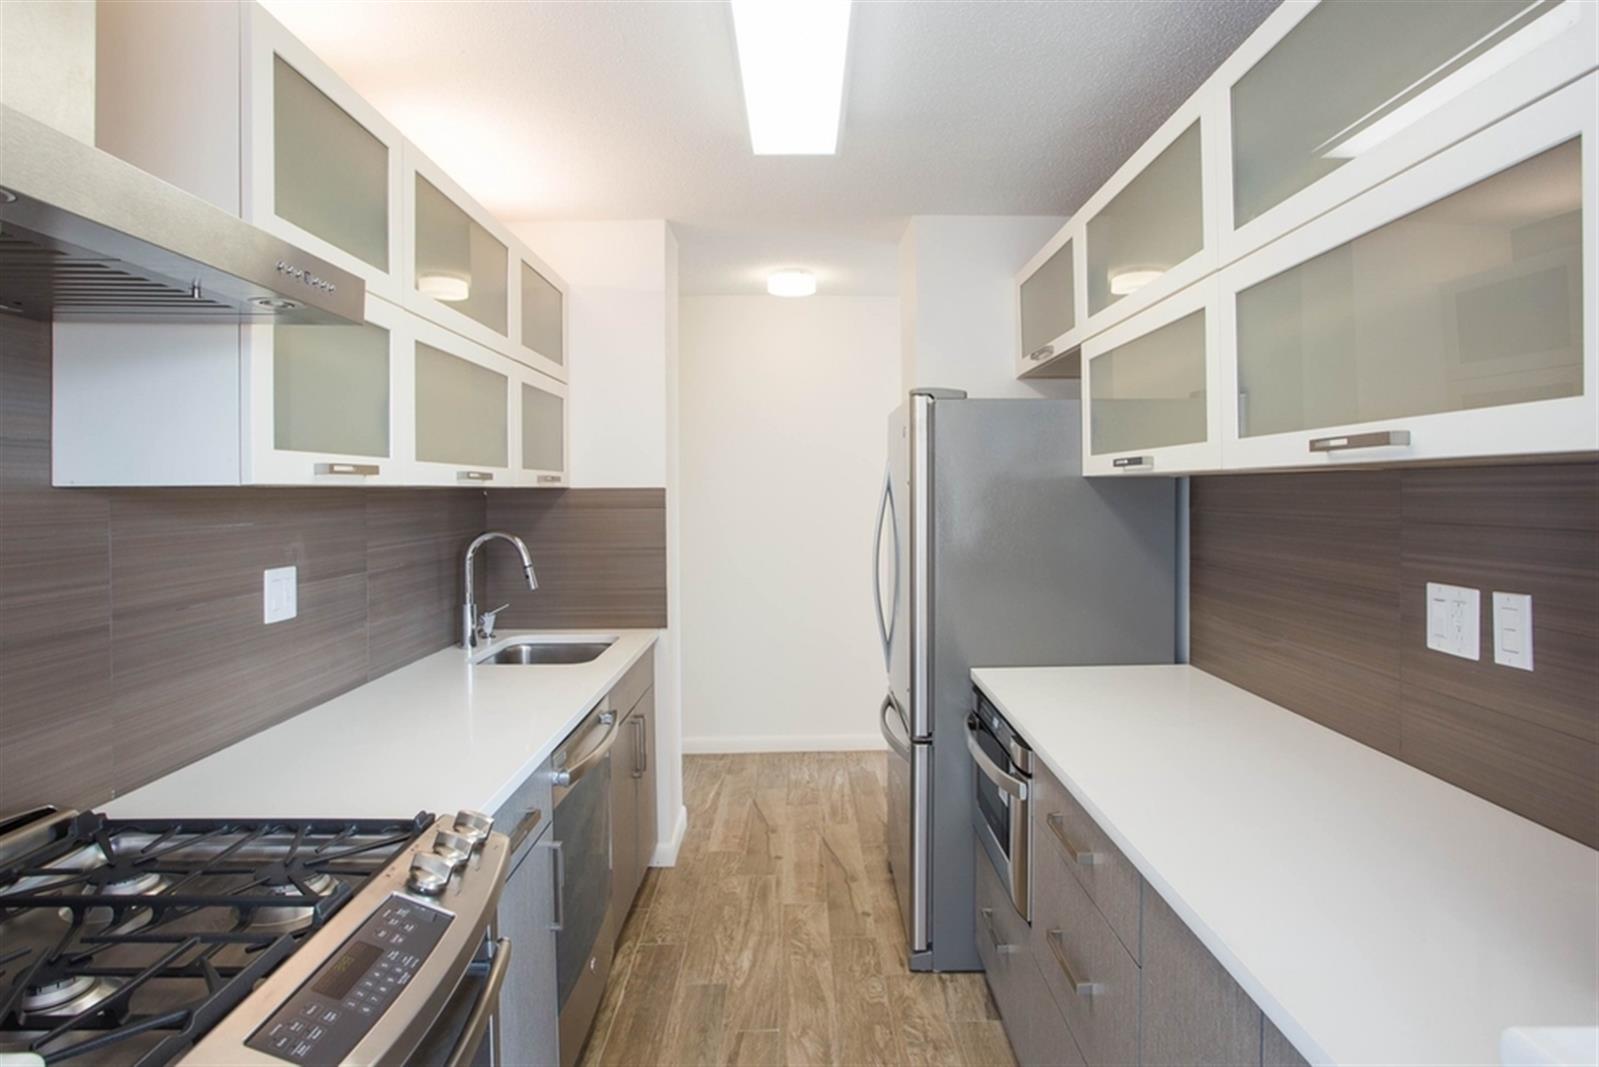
x=533 y=652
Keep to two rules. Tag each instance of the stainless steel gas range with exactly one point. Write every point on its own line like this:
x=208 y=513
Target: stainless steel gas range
x=249 y=942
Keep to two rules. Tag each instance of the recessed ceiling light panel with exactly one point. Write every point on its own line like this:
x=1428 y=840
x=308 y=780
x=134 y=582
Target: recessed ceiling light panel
x=791 y=282
x=791 y=56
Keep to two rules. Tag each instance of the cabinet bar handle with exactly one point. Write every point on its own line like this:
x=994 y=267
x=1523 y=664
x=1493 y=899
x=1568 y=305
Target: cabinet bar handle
x=1040 y=353
x=993 y=934
x=363 y=469
x=558 y=871
x=475 y=476
x=525 y=827
x=550 y=479
x=1057 y=947
x=640 y=764
x=1057 y=826
x=1379 y=439
x=1133 y=462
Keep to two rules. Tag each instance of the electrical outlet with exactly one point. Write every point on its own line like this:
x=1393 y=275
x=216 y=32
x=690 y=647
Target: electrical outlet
x=1513 y=630
x=280 y=596
x=1454 y=620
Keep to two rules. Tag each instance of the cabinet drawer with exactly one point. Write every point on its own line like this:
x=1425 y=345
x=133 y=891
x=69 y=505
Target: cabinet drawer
x=1037 y=1031
x=635 y=683
x=1066 y=831
x=1093 y=979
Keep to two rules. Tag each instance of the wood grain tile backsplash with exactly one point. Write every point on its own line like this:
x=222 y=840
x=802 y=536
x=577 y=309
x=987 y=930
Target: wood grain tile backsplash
x=131 y=640
x=1310 y=590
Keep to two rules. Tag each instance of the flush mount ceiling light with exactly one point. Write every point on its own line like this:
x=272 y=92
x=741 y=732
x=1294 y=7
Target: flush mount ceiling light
x=450 y=288
x=791 y=57
x=791 y=282
x=1132 y=279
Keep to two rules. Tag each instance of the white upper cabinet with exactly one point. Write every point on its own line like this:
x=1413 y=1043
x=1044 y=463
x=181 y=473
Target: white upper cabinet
x=320 y=167
x=326 y=404
x=1150 y=390
x=1327 y=100
x=459 y=272
x=540 y=317
x=1050 y=308
x=464 y=410
x=541 y=456
x=1447 y=313
x=1149 y=231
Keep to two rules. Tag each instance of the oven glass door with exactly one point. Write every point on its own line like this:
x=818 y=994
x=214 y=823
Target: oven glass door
x=993 y=804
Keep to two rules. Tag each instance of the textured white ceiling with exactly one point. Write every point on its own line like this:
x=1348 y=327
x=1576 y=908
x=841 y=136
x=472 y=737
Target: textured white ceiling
x=577 y=110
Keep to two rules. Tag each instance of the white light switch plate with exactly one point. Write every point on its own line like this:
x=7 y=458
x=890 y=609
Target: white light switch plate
x=280 y=594
x=1454 y=620
x=1513 y=630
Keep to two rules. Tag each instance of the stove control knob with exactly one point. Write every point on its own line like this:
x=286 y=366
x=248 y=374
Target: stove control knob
x=430 y=873
x=473 y=825
x=454 y=848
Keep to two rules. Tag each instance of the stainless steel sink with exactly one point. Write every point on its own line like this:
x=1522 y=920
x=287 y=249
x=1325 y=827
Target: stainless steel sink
x=534 y=652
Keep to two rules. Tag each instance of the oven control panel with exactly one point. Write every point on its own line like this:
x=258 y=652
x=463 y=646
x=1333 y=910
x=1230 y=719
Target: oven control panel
x=330 y=1014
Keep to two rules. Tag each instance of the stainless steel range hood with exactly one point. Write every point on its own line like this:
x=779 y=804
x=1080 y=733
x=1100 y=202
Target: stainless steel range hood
x=87 y=236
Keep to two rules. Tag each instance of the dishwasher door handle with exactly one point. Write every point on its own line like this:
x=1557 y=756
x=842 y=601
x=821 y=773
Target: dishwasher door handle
x=574 y=774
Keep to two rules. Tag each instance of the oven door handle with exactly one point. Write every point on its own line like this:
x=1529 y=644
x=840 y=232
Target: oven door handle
x=1016 y=787
x=901 y=746
x=476 y=1026
x=574 y=774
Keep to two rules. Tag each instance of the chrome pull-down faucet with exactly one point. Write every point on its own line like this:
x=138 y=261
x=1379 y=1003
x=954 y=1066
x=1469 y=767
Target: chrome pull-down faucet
x=475 y=628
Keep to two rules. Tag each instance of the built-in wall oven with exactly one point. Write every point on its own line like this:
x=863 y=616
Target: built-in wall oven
x=1004 y=790
x=581 y=778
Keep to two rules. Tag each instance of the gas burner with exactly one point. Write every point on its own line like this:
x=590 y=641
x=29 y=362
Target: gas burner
x=291 y=917
x=67 y=997
x=137 y=884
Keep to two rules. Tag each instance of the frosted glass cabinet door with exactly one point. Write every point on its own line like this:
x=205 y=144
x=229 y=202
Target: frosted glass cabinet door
x=1363 y=90
x=1152 y=224
x=462 y=415
x=460 y=266
x=1047 y=303
x=331 y=390
x=543 y=431
x=1150 y=404
x=543 y=320
x=1451 y=302
x=330 y=174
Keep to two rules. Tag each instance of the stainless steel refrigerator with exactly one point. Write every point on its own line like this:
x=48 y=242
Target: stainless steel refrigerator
x=993 y=550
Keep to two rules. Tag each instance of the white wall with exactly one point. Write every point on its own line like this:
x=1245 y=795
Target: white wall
x=958 y=296
x=783 y=408
x=617 y=328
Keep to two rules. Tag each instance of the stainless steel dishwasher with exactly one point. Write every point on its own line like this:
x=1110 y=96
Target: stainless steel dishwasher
x=581 y=777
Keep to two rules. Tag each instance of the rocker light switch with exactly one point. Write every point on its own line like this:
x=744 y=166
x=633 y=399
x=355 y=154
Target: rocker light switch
x=279 y=594
x=1513 y=630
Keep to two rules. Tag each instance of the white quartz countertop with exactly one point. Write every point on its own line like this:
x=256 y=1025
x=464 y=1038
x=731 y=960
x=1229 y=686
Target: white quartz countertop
x=438 y=735
x=1375 y=913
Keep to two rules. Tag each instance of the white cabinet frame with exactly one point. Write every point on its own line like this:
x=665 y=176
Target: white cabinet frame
x=261 y=38
x=427 y=472
x=437 y=310
x=539 y=361
x=1169 y=459
x=1571 y=52
x=263 y=463
x=1567 y=424
x=541 y=478
x=1055 y=358
x=1198 y=108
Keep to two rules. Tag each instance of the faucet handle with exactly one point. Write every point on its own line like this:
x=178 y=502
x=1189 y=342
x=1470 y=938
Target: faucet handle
x=486 y=625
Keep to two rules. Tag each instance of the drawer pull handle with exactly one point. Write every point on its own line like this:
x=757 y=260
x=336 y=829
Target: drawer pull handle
x=364 y=469
x=993 y=934
x=1057 y=826
x=1133 y=463
x=1057 y=947
x=475 y=476
x=1380 y=439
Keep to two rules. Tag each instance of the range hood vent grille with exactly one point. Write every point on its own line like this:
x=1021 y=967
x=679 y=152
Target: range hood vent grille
x=87 y=236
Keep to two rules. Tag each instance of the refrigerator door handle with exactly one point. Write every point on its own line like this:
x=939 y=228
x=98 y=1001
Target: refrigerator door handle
x=900 y=745
x=885 y=621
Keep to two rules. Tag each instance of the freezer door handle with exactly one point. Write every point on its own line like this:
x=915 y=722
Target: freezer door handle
x=891 y=734
x=885 y=620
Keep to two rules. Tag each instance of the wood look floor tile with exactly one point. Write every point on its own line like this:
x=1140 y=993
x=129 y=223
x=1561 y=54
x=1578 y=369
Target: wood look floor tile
x=810 y=1008
x=983 y=1044
x=755 y=986
x=966 y=997
x=925 y=1031
x=646 y=1006
x=754 y=1048
x=866 y=1020
x=694 y=1031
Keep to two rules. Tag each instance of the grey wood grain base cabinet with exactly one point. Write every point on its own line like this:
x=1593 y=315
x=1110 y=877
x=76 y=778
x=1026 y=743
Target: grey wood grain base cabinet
x=1106 y=974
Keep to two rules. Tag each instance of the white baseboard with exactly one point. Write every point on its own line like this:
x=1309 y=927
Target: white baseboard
x=666 y=851
x=785 y=743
